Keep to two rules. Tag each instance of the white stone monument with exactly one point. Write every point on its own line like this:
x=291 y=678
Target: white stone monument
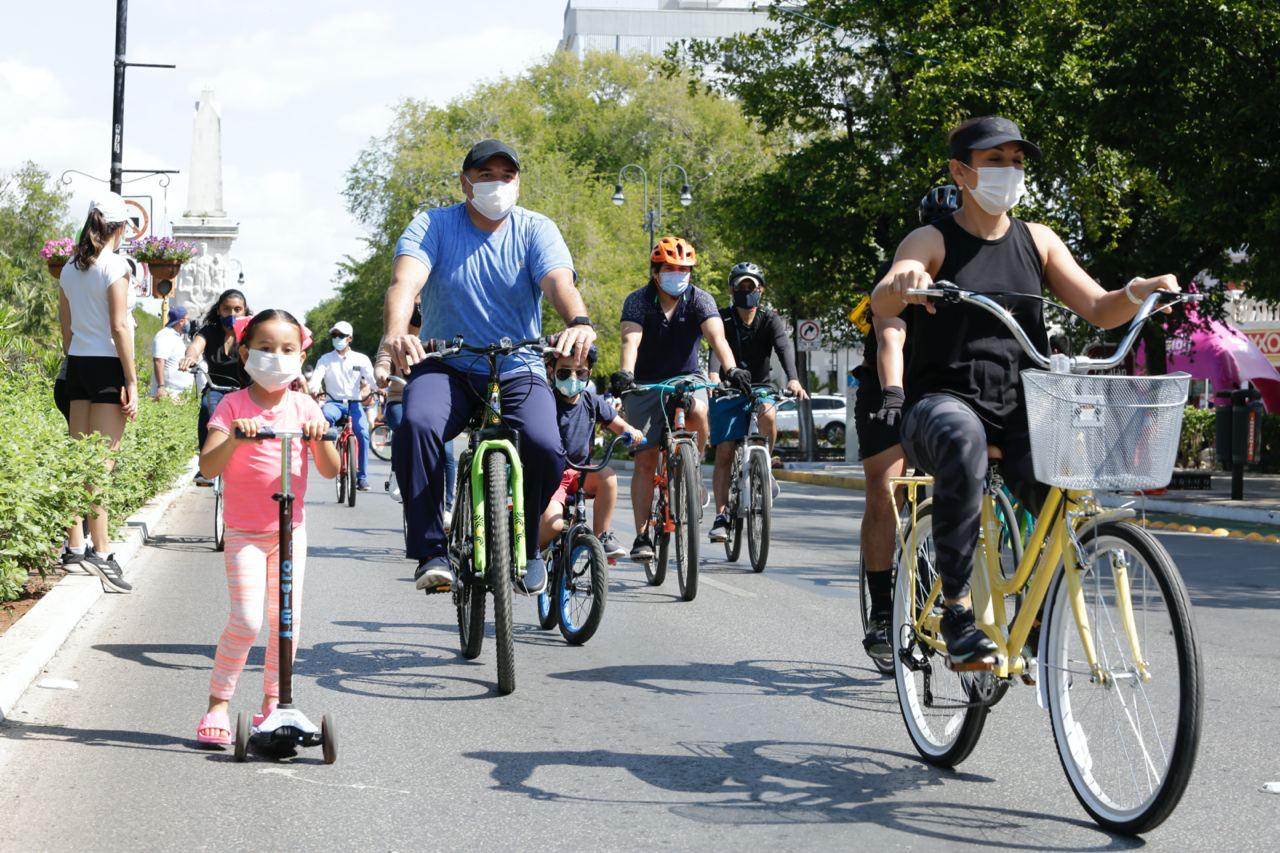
x=205 y=221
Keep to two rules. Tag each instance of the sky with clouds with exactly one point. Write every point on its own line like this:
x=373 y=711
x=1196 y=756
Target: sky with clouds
x=302 y=87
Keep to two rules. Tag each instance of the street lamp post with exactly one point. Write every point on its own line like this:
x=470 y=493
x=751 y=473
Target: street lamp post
x=652 y=222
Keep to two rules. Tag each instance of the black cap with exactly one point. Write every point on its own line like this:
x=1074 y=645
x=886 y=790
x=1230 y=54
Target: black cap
x=989 y=132
x=486 y=148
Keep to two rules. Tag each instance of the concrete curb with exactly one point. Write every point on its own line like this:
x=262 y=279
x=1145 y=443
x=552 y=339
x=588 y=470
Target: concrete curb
x=1199 y=510
x=34 y=639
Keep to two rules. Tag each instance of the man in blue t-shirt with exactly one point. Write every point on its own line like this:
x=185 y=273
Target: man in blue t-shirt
x=662 y=326
x=578 y=410
x=482 y=268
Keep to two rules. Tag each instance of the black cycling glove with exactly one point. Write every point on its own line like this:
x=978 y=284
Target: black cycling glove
x=621 y=382
x=891 y=406
x=740 y=379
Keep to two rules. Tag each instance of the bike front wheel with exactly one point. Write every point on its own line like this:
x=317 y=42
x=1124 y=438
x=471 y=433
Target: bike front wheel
x=500 y=569
x=686 y=508
x=380 y=442
x=1127 y=735
x=760 y=506
x=944 y=710
x=582 y=588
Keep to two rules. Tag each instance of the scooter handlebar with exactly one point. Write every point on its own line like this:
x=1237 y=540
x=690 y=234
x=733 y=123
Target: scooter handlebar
x=267 y=433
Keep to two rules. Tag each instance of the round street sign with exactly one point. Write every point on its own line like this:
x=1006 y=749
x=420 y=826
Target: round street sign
x=809 y=334
x=139 y=223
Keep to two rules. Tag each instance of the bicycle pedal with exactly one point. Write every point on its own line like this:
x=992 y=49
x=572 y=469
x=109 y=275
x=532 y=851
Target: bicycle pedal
x=444 y=587
x=980 y=665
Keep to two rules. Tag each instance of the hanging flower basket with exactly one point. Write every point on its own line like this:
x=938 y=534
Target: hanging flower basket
x=164 y=256
x=56 y=253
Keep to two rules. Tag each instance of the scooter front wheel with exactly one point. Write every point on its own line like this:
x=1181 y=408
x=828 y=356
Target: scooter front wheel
x=242 y=736
x=328 y=740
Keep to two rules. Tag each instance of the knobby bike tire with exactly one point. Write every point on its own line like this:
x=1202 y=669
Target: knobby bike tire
x=500 y=569
x=1060 y=629
x=655 y=570
x=760 y=520
x=960 y=700
x=588 y=586
x=733 y=544
x=352 y=471
x=684 y=496
x=468 y=596
x=380 y=442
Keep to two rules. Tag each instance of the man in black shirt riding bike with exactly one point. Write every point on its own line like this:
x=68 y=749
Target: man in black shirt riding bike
x=754 y=333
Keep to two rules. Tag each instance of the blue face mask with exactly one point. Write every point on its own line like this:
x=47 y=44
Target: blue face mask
x=229 y=321
x=674 y=283
x=571 y=387
x=339 y=344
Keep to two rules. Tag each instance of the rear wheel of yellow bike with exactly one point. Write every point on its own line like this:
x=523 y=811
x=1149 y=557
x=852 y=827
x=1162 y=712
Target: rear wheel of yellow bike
x=1127 y=739
x=944 y=710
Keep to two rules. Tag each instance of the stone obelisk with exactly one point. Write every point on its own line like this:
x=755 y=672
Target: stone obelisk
x=205 y=221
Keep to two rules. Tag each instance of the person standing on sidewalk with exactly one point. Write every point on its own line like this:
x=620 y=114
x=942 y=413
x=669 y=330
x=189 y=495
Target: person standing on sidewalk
x=271 y=349
x=340 y=374
x=167 y=349
x=97 y=337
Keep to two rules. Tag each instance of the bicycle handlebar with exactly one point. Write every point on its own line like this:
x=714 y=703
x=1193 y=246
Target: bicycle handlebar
x=197 y=369
x=267 y=433
x=622 y=438
x=947 y=291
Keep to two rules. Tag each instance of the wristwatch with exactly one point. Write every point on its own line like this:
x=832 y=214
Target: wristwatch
x=581 y=320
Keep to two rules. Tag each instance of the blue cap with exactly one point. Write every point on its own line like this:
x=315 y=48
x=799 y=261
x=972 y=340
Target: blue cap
x=176 y=313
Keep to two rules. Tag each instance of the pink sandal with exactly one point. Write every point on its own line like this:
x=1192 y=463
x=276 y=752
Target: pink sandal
x=259 y=718
x=214 y=721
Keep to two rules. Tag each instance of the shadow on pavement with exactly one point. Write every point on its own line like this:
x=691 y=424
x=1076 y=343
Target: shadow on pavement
x=11 y=730
x=826 y=682
x=185 y=544
x=780 y=782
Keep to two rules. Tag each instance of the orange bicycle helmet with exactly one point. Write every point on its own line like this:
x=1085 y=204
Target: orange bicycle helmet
x=674 y=250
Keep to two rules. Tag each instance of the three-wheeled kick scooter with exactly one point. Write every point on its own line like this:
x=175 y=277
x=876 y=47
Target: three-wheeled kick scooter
x=285 y=728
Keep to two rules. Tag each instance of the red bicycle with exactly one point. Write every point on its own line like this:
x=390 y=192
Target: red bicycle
x=348 y=462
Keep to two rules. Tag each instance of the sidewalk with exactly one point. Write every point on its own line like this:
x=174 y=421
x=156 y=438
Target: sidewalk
x=1260 y=506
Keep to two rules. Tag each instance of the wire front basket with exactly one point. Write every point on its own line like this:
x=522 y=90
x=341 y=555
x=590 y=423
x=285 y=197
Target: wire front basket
x=1110 y=433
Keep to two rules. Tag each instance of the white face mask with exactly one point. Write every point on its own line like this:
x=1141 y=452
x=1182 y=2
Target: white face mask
x=674 y=283
x=999 y=188
x=494 y=199
x=271 y=370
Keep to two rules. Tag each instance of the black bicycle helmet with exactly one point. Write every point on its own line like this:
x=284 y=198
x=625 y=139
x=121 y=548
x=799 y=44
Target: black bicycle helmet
x=938 y=202
x=744 y=269
x=550 y=357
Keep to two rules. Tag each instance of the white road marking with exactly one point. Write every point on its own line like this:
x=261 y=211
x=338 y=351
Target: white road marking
x=292 y=773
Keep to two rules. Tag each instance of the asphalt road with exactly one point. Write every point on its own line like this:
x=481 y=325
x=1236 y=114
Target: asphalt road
x=747 y=719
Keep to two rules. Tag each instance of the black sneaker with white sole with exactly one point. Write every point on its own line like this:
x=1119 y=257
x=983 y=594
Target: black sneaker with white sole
x=108 y=571
x=720 y=528
x=642 y=548
x=965 y=640
x=612 y=547
x=70 y=560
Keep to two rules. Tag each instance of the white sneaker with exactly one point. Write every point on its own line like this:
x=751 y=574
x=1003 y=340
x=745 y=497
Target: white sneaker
x=395 y=492
x=447 y=518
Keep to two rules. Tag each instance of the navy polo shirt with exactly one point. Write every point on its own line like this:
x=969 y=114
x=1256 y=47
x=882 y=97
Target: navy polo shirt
x=668 y=347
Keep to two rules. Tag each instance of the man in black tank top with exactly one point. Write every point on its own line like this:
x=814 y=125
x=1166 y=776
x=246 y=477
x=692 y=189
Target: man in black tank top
x=962 y=381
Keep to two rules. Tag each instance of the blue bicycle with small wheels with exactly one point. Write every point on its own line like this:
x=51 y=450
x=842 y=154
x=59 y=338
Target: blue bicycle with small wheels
x=577 y=568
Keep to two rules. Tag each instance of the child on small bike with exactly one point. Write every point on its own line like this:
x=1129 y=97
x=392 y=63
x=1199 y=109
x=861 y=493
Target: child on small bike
x=578 y=410
x=271 y=346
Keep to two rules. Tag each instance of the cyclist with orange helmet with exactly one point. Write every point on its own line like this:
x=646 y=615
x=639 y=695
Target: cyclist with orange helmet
x=662 y=326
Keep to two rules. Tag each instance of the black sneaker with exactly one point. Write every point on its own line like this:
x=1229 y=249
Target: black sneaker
x=108 y=571
x=642 y=548
x=433 y=575
x=69 y=561
x=720 y=528
x=535 y=577
x=964 y=639
x=876 y=642
x=612 y=547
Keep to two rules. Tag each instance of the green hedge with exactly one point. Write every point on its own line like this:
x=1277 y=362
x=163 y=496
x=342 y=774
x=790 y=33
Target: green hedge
x=45 y=477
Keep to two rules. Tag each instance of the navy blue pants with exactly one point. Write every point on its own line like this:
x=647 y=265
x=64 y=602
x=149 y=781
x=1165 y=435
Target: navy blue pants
x=208 y=404
x=438 y=403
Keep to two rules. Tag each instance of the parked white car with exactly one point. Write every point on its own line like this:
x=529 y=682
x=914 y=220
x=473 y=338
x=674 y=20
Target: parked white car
x=828 y=417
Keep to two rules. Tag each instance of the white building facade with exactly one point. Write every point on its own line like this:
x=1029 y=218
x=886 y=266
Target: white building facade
x=651 y=26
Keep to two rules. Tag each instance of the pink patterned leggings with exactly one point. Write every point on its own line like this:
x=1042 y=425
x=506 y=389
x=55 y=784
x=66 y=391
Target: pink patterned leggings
x=253 y=579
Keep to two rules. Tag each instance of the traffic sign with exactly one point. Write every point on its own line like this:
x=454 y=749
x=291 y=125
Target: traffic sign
x=139 y=224
x=808 y=335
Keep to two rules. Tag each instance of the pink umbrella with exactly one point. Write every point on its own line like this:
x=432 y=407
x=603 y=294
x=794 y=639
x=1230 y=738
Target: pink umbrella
x=1222 y=354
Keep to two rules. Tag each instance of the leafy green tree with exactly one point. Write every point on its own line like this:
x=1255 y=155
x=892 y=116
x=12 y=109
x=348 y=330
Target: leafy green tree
x=33 y=209
x=1156 y=119
x=575 y=124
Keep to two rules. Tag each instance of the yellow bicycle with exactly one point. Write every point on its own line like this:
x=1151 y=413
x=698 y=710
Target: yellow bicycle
x=1092 y=611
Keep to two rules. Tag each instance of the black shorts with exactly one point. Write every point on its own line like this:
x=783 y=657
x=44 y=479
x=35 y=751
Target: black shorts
x=97 y=379
x=874 y=436
x=60 y=398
